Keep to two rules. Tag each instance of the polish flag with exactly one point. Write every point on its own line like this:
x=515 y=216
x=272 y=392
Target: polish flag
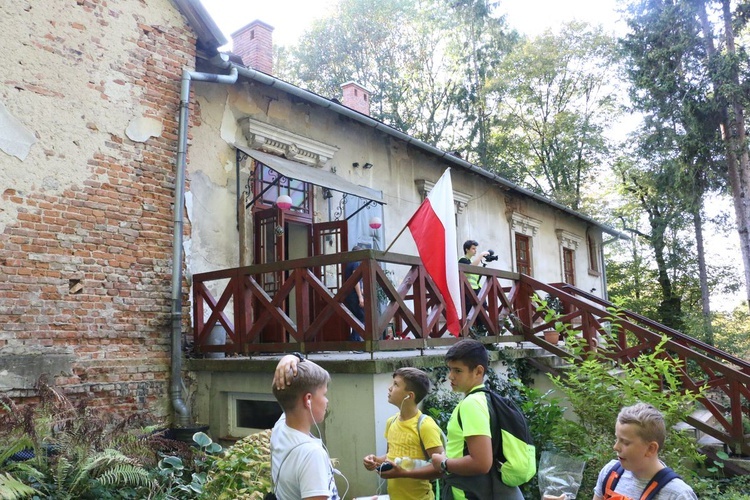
x=433 y=227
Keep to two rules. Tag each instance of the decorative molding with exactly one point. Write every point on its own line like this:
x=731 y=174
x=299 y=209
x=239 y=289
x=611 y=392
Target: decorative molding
x=295 y=147
x=568 y=239
x=461 y=200
x=524 y=224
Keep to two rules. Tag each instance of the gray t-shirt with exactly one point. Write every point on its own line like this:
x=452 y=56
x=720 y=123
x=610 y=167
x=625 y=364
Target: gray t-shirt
x=633 y=487
x=300 y=465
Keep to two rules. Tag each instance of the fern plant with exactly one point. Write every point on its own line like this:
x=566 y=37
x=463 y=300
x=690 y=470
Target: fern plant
x=13 y=489
x=81 y=473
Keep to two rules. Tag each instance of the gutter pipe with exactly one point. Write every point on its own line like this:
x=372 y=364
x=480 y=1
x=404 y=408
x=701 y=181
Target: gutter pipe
x=181 y=411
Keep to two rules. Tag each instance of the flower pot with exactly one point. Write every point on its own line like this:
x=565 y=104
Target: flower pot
x=552 y=336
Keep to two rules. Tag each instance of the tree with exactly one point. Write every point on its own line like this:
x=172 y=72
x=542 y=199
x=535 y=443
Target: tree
x=678 y=66
x=555 y=99
x=669 y=84
x=479 y=41
x=646 y=178
x=396 y=49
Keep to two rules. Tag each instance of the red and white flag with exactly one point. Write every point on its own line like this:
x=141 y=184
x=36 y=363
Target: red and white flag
x=433 y=227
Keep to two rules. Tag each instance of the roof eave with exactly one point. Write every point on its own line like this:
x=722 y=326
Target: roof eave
x=209 y=36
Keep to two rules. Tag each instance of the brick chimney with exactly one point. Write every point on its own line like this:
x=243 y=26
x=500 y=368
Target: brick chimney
x=356 y=97
x=254 y=44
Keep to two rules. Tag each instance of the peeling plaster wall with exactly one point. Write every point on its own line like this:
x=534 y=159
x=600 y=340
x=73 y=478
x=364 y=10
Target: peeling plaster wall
x=85 y=217
x=396 y=167
x=68 y=72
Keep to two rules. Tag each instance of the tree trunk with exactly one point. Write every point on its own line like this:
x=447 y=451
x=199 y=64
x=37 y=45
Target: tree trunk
x=702 y=274
x=738 y=143
x=733 y=135
x=670 y=307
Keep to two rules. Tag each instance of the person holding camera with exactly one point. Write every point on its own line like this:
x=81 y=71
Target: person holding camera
x=473 y=257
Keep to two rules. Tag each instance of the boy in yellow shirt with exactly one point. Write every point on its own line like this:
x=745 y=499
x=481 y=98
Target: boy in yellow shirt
x=411 y=436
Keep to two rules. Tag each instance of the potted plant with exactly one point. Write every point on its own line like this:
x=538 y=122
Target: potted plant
x=552 y=336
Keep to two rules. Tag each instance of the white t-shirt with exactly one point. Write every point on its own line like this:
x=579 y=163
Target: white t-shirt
x=306 y=470
x=633 y=487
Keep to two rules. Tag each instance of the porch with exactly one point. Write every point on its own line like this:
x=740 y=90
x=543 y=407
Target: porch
x=298 y=305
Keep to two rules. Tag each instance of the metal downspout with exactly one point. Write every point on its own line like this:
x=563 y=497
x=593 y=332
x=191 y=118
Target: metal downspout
x=181 y=410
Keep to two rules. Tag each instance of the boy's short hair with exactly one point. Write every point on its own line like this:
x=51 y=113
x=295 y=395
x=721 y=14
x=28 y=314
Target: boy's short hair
x=470 y=352
x=415 y=380
x=310 y=377
x=648 y=420
x=468 y=244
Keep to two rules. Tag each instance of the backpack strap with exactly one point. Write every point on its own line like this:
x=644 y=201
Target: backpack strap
x=275 y=482
x=419 y=433
x=389 y=422
x=659 y=481
x=612 y=478
x=422 y=416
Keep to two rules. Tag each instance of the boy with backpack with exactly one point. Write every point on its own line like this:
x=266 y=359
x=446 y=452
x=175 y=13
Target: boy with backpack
x=637 y=473
x=411 y=436
x=468 y=464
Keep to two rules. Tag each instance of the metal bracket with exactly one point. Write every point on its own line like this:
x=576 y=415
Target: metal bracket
x=366 y=205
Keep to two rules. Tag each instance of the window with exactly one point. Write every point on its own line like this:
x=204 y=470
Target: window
x=593 y=255
x=268 y=179
x=569 y=243
x=569 y=267
x=523 y=254
x=251 y=413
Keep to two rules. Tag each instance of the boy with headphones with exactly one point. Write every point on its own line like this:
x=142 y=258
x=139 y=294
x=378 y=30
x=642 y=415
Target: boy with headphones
x=411 y=435
x=300 y=465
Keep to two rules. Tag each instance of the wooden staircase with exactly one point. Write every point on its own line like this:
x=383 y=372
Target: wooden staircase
x=621 y=336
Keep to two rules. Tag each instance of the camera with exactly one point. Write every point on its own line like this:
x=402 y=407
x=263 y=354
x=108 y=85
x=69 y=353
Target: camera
x=491 y=257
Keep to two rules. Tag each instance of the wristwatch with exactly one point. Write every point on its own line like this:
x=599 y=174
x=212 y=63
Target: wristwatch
x=299 y=356
x=444 y=465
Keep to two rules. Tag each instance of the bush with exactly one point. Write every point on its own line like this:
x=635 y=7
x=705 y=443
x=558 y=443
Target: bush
x=243 y=472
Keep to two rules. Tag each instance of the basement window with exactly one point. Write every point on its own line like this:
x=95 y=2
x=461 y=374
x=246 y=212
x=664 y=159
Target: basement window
x=251 y=413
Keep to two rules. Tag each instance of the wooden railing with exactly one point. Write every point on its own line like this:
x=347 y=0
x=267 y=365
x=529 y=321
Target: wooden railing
x=621 y=336
x=304 y=313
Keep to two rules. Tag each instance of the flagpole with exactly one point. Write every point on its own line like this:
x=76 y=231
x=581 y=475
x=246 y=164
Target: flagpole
x=397 y=236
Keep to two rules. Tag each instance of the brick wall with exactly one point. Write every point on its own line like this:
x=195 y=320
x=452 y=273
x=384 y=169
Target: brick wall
x=85 y=253
x=254 y=44
x=356 y=97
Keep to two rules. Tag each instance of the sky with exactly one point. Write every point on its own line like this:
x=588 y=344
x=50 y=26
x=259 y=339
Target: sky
x=291 y=17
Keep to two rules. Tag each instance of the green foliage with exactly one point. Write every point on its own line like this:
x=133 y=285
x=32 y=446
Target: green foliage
x=555 y=98
x=80 y=473
x=730 y=331
x=176 y=480
x=13 y=489
x=80 y=452
x=243 y=472
x=596 y=390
